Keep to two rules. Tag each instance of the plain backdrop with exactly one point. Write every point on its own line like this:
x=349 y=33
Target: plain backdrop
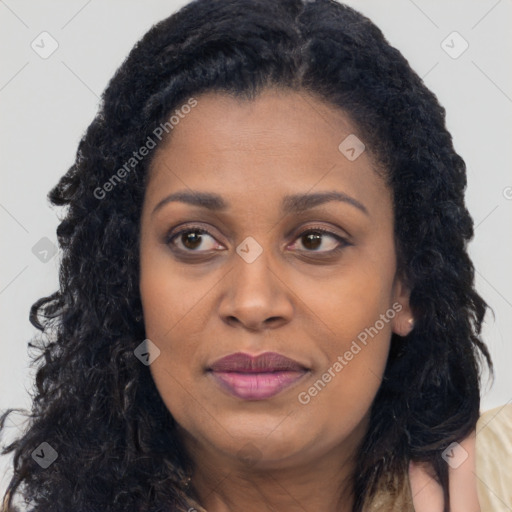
x=47 y=102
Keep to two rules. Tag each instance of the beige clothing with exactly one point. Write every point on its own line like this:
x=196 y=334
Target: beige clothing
x=493 y=469
x=494 y=459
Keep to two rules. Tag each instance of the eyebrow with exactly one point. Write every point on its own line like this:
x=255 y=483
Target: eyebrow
x=294 y=203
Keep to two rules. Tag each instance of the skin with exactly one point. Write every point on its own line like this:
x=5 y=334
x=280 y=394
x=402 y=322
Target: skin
x=428 y=494
x=205 y=301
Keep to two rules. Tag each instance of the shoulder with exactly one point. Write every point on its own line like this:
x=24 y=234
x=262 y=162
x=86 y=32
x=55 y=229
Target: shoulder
x=494 y=459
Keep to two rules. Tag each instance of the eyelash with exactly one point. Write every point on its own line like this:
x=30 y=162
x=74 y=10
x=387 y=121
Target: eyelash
x=343 y=242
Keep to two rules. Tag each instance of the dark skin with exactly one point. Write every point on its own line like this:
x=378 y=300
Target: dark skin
x=303 y=299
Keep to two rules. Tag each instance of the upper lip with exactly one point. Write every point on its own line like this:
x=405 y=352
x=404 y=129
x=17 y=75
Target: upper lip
x=263 y=363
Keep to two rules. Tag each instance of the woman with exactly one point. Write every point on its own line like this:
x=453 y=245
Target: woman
x=265 y=300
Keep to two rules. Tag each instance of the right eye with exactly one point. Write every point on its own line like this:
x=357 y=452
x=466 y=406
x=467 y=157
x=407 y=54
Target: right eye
x=190 y=238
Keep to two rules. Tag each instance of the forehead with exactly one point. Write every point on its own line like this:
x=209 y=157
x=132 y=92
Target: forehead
x=282 y=142
x=276 y=118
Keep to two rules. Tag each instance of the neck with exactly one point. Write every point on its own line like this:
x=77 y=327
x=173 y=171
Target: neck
x=323 y=482
x=279 y=491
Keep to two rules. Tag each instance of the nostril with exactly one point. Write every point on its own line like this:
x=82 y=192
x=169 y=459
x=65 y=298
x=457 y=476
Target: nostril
x=232 y=320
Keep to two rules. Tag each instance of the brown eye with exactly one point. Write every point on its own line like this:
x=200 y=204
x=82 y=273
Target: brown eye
x=192 y=239
x=314 y=239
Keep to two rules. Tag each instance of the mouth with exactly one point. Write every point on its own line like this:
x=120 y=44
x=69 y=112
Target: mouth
x=256 y=378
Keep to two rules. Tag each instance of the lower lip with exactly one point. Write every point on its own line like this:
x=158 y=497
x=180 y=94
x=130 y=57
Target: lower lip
x=257 y=386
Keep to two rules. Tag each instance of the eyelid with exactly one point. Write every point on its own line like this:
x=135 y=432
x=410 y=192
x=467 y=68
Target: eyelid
x=184 y=228
x=343 y=241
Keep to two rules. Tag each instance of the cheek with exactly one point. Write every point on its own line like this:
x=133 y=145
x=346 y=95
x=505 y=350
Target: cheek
x=357 y=298
x=170 y=296
x=359 y=319
x=174 y=320
x=342 y=391
x=170 y=310
x=175 y=370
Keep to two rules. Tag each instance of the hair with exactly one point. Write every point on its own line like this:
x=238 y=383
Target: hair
x=97 y=405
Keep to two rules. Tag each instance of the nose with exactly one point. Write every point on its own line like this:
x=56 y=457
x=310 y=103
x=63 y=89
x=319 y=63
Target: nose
x=256 y=296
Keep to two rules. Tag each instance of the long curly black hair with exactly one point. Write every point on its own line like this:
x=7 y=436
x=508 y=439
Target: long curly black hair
x=96 y=404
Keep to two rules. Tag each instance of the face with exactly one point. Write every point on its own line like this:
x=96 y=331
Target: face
x=291 y=253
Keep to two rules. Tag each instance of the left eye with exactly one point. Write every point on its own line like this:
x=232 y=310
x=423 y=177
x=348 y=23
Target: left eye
x=312 y=239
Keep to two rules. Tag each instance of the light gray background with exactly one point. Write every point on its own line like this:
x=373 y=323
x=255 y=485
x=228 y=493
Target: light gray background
x=46 y=104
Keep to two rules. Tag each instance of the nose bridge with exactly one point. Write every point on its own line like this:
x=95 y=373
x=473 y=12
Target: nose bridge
x=252 y=266
x=255 y=292
x=253 y=279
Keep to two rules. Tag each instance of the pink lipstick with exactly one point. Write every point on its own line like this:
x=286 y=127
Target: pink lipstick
x=256 y=378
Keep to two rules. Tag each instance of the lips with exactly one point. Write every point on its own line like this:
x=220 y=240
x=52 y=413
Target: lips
x=256 y=378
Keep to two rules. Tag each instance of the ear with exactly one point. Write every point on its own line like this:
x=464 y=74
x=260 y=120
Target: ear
x=403 y=322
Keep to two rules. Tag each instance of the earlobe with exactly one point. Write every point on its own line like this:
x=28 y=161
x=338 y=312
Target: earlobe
x=403 y=323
